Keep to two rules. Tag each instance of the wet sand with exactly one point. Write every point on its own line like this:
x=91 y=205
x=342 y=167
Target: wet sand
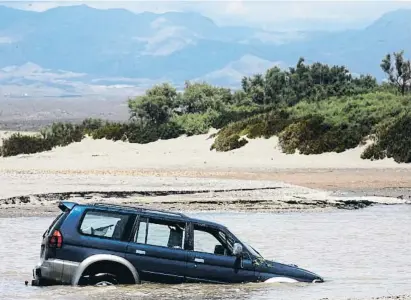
x=36 y=193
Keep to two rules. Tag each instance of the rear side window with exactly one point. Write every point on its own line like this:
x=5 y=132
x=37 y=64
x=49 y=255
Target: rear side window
x=163 y=233
x=104 y=224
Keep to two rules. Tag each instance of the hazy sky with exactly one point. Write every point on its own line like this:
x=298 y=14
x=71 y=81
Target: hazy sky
x=301 y=14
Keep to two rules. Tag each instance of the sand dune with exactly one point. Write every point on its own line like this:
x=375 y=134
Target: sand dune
x=260 y=159
x=185 y=153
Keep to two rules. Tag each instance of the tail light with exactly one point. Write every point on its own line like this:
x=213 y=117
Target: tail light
x=56 y=239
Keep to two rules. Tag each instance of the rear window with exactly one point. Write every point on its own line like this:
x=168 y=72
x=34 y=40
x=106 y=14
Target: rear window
x=104 y=224
x=57 y=221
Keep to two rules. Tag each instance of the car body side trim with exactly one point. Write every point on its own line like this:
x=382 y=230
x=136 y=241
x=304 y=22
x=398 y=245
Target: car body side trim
x=103 y=257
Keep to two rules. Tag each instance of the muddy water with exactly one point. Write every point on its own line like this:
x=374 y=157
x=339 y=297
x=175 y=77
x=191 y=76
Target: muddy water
x=361 y=253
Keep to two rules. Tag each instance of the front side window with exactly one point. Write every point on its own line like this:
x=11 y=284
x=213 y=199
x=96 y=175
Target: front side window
x=158 y=232
x=210 y=240
x=104 y=224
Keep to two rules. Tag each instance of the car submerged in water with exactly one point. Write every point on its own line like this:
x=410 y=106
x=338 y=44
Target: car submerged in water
x=106 y=244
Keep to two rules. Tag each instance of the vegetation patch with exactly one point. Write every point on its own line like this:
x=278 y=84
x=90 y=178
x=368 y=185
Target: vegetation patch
x=59 y=134
x=392 y=139
x=312 y=108
x=24 y=144
x=312 y=135
x=230 y=143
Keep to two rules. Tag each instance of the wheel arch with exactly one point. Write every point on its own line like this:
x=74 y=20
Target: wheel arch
x=101 y=258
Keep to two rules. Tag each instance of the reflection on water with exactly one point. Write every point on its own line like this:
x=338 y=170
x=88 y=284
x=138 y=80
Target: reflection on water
x=360 y=253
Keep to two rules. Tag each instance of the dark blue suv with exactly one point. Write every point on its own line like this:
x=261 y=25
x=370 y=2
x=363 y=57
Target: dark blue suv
x=105 y=244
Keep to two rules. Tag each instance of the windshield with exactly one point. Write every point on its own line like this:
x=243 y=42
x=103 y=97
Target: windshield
x=252 y=251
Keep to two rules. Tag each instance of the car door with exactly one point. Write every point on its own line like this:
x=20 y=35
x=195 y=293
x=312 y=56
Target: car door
x=210 y=258
x=96 y=231
x=157 y=249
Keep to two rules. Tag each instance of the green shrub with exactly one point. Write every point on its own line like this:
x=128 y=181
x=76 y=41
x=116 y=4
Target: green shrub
x=392 y=140
x=193 y=124
x=228 y=143
x=366 y=110
x=24 y=144
x=137 y=132
x=111 y=131
x=58 y=134
x=170 y=130
x=262 y=125
x=312 y=135
x=63 y=134
x=267 y=125
x=91 y=125
x=373 y=152
x=233 y=113
x=142 y=133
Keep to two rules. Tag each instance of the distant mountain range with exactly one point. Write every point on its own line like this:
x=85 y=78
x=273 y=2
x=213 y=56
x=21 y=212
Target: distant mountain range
x=82 y=50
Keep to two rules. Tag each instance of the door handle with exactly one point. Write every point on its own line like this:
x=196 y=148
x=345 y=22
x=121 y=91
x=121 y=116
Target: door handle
x=199 y=260
x=142 y=252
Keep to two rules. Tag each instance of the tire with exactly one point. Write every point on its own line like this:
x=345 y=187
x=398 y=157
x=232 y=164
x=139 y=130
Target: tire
x=103 y=279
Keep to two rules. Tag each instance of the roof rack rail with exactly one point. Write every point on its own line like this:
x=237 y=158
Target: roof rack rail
x=141 y=209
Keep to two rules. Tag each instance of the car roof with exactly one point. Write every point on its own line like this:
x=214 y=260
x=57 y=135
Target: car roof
x=210 y=223
x=66 y=205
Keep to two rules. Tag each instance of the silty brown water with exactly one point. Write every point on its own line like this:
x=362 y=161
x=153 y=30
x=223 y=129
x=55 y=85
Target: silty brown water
x=360 y=254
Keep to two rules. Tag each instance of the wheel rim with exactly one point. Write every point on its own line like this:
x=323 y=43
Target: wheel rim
x=104 y=283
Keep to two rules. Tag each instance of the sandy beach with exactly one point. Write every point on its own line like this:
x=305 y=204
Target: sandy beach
x=184 y=173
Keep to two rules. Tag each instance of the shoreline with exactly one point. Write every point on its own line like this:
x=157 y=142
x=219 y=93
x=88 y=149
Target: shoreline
x=365 y=181
x=36 y=192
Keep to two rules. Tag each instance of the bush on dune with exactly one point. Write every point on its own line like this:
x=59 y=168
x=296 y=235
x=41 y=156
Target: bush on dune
x=63 y=134
x=143 y=133
x=367 y=109
x=392 y=140
x=233 y=113
x=109 y=130
x=262 y=125
x=230 y=143
x=330 y=125
x=90 y=125
x=312 y=135
x=59 y=134
x=19 y=143
x=195 y=123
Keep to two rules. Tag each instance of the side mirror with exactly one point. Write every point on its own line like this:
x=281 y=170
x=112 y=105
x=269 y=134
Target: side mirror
x=237 y=250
